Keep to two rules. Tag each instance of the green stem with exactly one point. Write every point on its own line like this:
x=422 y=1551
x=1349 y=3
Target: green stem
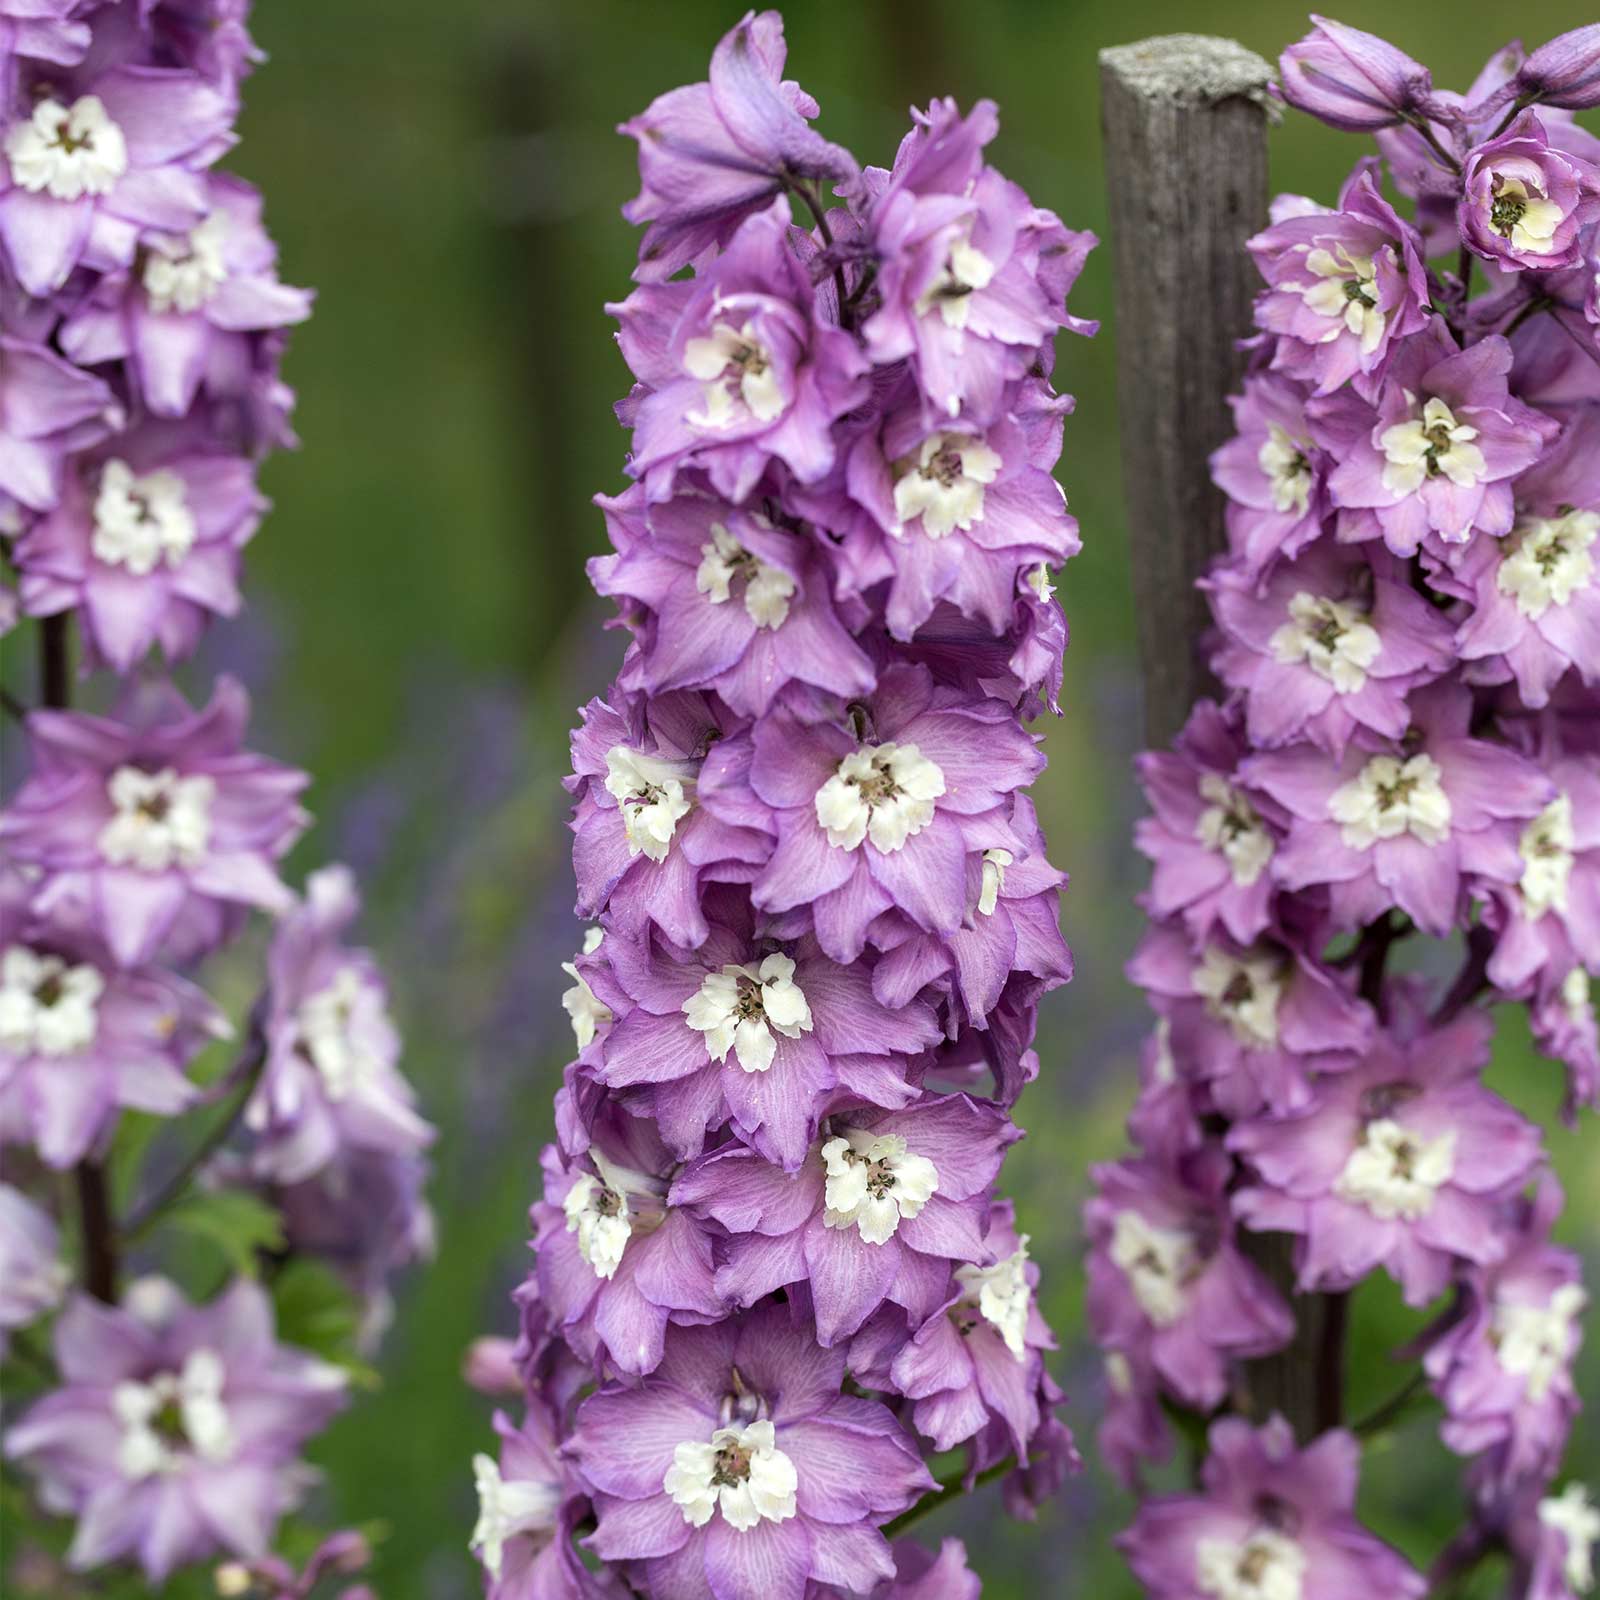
x=1382 y=1415
x=949 y=1488
x=1431 y=139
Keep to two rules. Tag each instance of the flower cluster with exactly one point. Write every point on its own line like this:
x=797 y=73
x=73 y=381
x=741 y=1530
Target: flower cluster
x=1407 y=638
x=772 y=1275
x=141 y=327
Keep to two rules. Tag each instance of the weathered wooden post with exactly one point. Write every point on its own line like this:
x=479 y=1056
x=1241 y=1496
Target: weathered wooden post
x=1186 y=119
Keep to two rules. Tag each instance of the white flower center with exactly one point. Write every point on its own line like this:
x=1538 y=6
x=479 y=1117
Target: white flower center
x=1395 y=1172
x=737 y=375
x=993 y=881
x=884 y=792
x=328 y=1039
x=1038 y=579
x=1332 y=638
x=1573 y=1515
x=1433 y=445
x=160 y=820
x=1535 y=1343
x=1158 y=1263
x=598 y=1211
x=873 y=1181
x=1002 y=1296
x=943 y=483
x=1547 y=561
x=140 y=522
x=653 y=795
x=1286 y=463
x=1391 y=797
x=1546 y=848
x=1267 y=1565
x=67 y=151
x=741 y=1007
x=509 y=1510
x=1346 y=294
x=182 y=273
x=966 y=270
x=1231 y=826
x=1242 y=991
x=767 y=589
x=173 y=1418
x=47 y=1008
x=741 y=1472
x=1575 y=997
x=1525 y=217
x=588 y=1012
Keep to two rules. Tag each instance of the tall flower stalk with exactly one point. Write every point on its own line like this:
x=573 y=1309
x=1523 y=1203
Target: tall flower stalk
x=141 y=326
x=1406 y=751
x=773 y=1286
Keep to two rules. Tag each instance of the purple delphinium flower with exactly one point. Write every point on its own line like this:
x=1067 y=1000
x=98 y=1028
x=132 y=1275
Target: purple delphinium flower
x=1406 y=823
x=154 y=819
x=736 y=369
x=1535 y=600
x=712 y=153
x=615 y=1261
x=1351 y=79
x=735 y=603
x=1565 y=1028
x=1169 y=1288
x=39 y=30
x=97 y=159
x=47 y=409
x=739 y=1467
x=971 y=277
x=143 y=546
x=1549 y=921
x=1526 y=201
x=1503 y=1370
x=884 y=1206
x=1400 y=1163
x=1250 y=1023
x=331 y=1078
x=1211 y=848
x=1344 y=286
x=1272 y=471
x=1327 y=647
x=1562 y=1531
x=956 y=514
x=747 y=1032
x=528 y=1512
x=645 y=841
x=920 y=1575
x=1436 y=450
x=879 y=807
x=182 y=314
x=177 y=1428
x=1272 y=1520
x=33 y=1277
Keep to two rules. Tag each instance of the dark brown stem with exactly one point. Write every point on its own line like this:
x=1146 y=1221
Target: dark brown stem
x=1464 y=263
x=12 y=706
x=99 y=1232
x=1382 y=1415
x=819 y=218
x=94 y=1197
x=1431 y=139
x=948 y=1490
x=1532 y=309
x=1330 y=1361
x=1472 y=979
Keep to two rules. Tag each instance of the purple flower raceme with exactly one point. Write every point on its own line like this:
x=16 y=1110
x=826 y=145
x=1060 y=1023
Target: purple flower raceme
x=822 y=914
x=155 y=827
x=141 y=330
x=1405 y=744
x=176 y=1430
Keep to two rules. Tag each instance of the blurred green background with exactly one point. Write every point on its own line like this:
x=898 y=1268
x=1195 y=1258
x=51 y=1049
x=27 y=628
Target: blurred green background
x=448 y=177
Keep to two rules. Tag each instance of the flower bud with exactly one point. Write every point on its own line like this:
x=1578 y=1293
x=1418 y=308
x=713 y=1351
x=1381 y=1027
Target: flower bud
x=1566 y=71
x=1351 y=79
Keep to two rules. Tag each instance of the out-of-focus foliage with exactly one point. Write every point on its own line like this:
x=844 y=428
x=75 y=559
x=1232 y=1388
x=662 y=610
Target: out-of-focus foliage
x=448 y=176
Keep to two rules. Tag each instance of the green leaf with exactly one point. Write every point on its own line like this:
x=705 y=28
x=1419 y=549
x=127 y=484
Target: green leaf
x=319 y=1312
x=239 y=1224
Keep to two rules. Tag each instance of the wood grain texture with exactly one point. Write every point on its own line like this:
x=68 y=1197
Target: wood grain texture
x=1186 y=167
x=1186 y=120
